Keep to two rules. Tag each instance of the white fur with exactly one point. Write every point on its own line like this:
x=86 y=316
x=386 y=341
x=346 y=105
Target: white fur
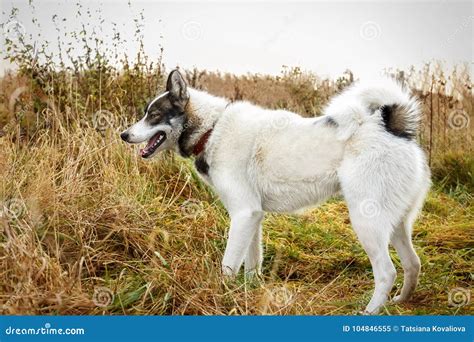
x=274 y=160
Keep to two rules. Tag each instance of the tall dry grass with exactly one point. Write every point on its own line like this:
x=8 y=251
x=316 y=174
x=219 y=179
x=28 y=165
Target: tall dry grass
x=89 y=228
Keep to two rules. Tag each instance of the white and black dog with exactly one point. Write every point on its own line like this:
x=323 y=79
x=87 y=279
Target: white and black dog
x=257 y=160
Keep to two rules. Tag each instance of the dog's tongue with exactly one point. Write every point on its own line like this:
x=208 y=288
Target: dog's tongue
x=151 y=142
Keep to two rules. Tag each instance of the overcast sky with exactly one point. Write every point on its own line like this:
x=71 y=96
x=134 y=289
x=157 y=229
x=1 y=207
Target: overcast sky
x=240 y=37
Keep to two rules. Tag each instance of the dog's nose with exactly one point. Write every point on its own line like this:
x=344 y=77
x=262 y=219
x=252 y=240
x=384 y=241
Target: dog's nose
x=124 y=136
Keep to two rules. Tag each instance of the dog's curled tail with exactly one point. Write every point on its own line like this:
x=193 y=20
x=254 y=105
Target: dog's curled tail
x=400 y=110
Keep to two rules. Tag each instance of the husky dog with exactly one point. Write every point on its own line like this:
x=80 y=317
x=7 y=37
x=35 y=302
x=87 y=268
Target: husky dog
x=260 y=160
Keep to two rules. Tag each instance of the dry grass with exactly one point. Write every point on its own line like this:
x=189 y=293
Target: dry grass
x=92 y=214
x=85 y=222
x=97 y=216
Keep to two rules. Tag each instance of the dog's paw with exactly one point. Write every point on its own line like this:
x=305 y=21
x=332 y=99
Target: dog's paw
x=252 y=274
x=398 y=299
x=254 y=278
x=364 y=313
x=367 y=312
x=228 y=272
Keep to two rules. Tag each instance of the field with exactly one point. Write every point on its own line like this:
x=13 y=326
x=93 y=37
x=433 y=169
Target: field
x=87 y=227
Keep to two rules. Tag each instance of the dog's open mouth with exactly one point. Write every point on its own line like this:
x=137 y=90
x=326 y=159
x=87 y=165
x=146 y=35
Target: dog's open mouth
x=153 y=144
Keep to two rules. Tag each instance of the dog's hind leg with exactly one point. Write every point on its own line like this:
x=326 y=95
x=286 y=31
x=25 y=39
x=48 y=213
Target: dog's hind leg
x=401 y=241
x=374 y=235
x=254 y=257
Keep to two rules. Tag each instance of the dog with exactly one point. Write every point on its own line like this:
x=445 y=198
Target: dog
x=258 y=160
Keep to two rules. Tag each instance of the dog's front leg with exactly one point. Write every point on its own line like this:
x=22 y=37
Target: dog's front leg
x=254 y=258
x=243 y=227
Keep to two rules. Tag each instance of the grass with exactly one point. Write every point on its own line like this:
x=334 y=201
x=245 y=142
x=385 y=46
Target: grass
x=93 y=215
x=87 y=227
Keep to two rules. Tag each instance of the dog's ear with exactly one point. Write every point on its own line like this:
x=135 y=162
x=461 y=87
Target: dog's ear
x=176 y=85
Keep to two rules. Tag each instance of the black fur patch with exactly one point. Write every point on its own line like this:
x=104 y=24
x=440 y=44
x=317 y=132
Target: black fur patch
x=331 y=122
x=183 y=140
x=392 y=125
x=202 y=166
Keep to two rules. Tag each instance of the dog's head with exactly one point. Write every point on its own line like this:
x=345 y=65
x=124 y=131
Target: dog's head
x=164 y=119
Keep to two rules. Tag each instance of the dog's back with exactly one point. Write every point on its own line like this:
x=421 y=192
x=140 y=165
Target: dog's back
x=295 y=162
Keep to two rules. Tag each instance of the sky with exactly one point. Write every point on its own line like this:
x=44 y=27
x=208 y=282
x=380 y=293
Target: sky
x=260 y=37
